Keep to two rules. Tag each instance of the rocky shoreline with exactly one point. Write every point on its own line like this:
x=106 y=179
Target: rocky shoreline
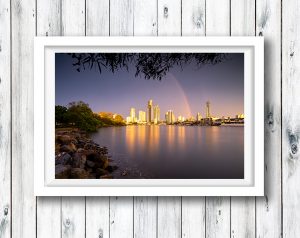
x=78 y=157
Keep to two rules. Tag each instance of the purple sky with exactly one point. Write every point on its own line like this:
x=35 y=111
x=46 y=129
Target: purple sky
x=183 y=91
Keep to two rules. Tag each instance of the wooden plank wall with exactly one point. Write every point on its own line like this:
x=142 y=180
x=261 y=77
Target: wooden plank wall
x=274 y=215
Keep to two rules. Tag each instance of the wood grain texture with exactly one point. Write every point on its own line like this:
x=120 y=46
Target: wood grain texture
x=121 y=17
x=242 y=208
x=73 y=17
x=193 y=18
x=218 y=208
x=145 y=17
x=48 y=214
x=97 y=17
x=121 y=217
x=169 y=17
x=73 y=208
x=193 y=208
x=268 y=208
x=169 y=217
x=23 y=201
x=145 y=208
x=97 y=217
x=290 y=117
x=5 y=120
x=73 y=217
x=193 y=217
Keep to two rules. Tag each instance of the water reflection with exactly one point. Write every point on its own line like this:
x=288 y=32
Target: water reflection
x=177 y=151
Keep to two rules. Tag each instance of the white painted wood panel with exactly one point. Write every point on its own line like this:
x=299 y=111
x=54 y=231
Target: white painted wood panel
x=268 y=208
x=97 y=208
x=169 y=208
x=218 y=208
x=290 y=117
x=193 y=208
x=242 y=208
x=73 y=208
x=23 y=201
x=121 y=217
x=73 y=217
x=97 y=217
x=121 y=17
x=193 y=18
x=48 y=212
x=5 y=120
x=169 y=17
x=169 y=217
x=145 y=208
x=97 y=17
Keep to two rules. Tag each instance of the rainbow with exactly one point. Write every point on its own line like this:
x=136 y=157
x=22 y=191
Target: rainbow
x=182 y=94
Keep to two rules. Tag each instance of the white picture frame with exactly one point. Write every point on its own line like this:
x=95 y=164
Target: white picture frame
x=45 y=183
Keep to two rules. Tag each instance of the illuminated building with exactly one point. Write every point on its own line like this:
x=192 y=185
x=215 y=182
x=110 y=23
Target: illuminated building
x=156 y=114
x=170 y=117
x=132 y=114
x=149 y=111
x=142 y=116
x=199 y=117
x=128 y=120
x=207 y=109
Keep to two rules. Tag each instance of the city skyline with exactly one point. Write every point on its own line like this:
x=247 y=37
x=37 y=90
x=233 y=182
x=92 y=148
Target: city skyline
x=183 y=91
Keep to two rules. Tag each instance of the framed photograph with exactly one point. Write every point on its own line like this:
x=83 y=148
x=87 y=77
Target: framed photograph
x=149 y=116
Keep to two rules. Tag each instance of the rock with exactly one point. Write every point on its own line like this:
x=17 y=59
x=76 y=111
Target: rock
x=100 y=172
x=112 y=167
x=79 y=160
x=63 y=139
x=70 y=148
x=63 y=158
x=107 y=176
x=90 y=164
x=77 y=173
x=62 y=171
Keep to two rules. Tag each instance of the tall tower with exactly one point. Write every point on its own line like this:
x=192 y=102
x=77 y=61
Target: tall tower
x=132 y=114
x=150 y=111
x=156 y=114
x=207 y=109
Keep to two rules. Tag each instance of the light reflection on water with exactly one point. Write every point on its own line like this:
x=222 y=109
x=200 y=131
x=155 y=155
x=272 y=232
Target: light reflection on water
x=176 y=151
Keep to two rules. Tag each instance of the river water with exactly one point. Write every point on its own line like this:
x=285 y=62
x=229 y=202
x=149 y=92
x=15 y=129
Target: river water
x=175 y=152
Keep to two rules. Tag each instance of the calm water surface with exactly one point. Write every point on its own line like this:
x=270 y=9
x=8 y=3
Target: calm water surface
x=175 y=152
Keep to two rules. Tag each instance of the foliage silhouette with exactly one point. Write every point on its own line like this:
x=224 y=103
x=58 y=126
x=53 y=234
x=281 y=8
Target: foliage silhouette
x=148 y=65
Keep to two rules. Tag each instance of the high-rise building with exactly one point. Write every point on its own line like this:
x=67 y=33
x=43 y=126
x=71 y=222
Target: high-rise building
x=199 y=117
x=149 y=116
x=166 y=117
x=142 y=116
x=128 y=119
x=170 y=117
x=156 y=114
x=208 y=109
x=132 y=114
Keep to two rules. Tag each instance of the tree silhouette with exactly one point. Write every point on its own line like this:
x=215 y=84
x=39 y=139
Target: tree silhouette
x=148 y=65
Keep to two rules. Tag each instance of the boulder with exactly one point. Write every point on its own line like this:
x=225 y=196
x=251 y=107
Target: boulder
x=79 y=160
x=62 y=171
x=63 y=139
x=90 y=164
x=70 y=148
x=77 y=173
x=63 y=158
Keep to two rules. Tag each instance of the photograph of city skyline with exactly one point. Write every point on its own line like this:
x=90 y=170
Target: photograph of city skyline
x=149 y=115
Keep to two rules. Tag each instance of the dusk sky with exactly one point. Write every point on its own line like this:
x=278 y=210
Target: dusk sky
x=185 y=91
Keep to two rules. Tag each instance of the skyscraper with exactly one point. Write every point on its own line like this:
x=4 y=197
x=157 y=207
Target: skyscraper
x=142 y=116
x=207 y=109
x=132 y=114
x=170 y=117
x=156 y=114
x=150 y=111
x=199 y=117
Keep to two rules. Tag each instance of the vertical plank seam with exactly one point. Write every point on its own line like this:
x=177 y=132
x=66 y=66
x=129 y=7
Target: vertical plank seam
x=205 y=204
x=109 y=217
x=11 y=109
x=181 y=214
x=156 y=217
x=255 y=200
x=60 y=216
x=133 y=212
x=36 y=199
x=244 y=158
x=281 y=133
